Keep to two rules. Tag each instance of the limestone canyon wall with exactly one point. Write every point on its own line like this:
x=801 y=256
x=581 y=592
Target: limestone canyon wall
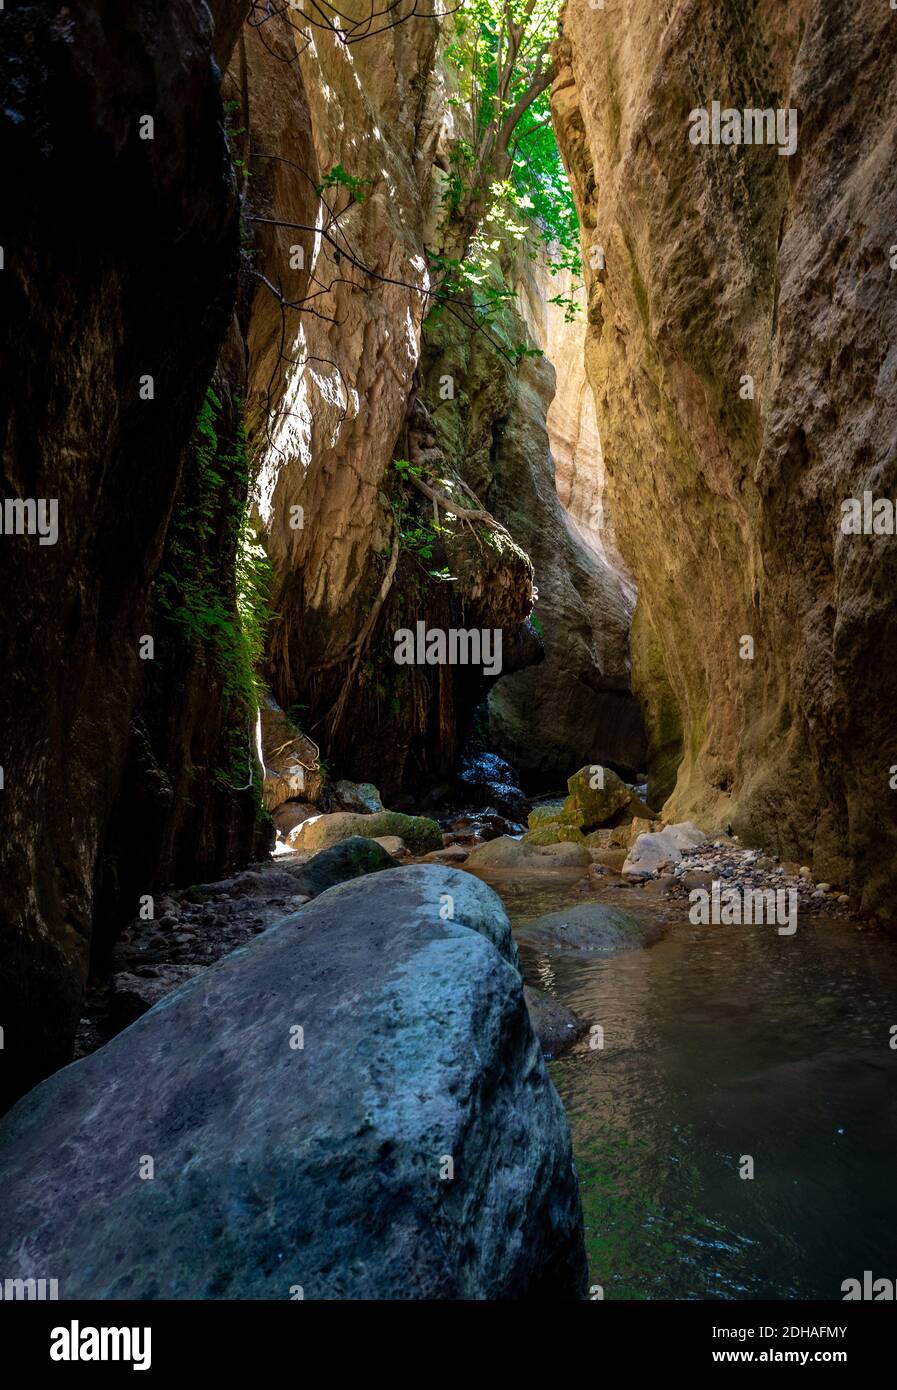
x=722 y=263
x=507 y=429
x=333 y=378
x=338 y=392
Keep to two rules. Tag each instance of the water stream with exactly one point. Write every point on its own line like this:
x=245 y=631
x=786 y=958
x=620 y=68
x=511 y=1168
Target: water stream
x=721 y=1042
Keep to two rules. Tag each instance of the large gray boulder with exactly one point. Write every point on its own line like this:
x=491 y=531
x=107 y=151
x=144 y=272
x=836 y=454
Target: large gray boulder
x=324 y=1167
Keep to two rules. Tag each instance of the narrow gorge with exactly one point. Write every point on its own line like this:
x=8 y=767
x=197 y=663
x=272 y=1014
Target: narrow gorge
x=447 y=754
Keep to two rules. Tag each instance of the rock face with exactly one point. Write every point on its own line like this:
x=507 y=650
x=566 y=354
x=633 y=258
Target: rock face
x=345 y=384
x=576 y=705
x=291 y=761
x=726 y=263
x=326 y=1166
x=140 y=283
x=330 y=396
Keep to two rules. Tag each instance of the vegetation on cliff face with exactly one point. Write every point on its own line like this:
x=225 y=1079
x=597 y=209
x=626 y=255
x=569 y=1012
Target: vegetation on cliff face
x=503 y=180
x=226 y=615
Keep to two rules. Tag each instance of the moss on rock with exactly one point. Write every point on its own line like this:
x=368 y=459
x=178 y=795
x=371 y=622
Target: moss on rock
x=418 y=832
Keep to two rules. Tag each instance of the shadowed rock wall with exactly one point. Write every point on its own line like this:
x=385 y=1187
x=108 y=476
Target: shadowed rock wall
x=727 y=262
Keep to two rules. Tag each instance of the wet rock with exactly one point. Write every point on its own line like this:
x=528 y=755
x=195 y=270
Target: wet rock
x=321 y=1166
x=419 y=834
x=588 y=927
x=556 y=1026
x=487 y=780
x=473 y=829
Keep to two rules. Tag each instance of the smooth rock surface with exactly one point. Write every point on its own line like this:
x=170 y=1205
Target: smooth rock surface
x=556 y=1026
x=320 y=1166
x=417 y=832
x=650 y=851
x=351 y=858
x=588 y=927
x=509 y=853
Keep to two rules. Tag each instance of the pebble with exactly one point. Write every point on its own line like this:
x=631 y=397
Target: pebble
x=742 y=869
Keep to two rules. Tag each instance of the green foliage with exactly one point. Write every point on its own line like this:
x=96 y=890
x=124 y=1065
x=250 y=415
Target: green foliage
x=338 y=178
x=226 y=618
x=509 y=178
x=419 y=535
x=538 y=189
x=232 y=111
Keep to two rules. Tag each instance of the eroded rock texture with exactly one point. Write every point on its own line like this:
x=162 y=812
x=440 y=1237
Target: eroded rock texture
x=726 y=262
x=120 y=258
x=576 y=705
x=349 y=396
x=330 y=393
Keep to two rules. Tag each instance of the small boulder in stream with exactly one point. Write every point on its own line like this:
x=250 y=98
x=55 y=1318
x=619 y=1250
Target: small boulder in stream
x=596 y=795
x=357 y=796
x=658 y=849
x=408 y=1144
x=588 y=927
x=556 y=1026
x=508 y=853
